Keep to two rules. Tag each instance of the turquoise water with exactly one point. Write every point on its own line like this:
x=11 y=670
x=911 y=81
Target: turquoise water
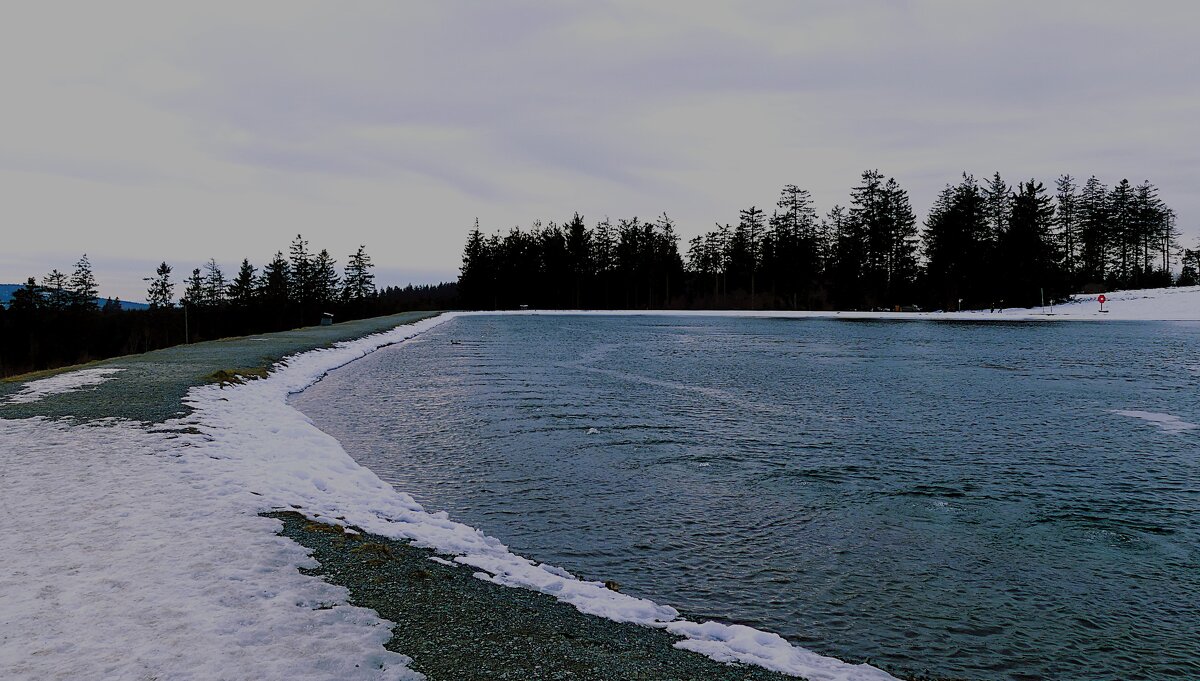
x=960 y=499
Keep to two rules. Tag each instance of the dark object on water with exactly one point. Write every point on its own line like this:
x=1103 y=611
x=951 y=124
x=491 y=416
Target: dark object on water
x=612 y=586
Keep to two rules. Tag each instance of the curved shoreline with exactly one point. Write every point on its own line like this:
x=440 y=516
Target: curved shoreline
x=337 y=489
x=241 y=451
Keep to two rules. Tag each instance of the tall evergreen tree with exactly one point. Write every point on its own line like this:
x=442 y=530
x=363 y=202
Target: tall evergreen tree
x=193 y=294
x=579 y=255
x=274 y=284
x=1094 y=232
x=998 y=200
x=358 y=282
x=325 y=278
x=1067 y=219
x=1123 y=233
x=1027 y=249
x=58 y=296
x=302 y=282
x=29 y=299
x=161 y=293
x=83 y=289
x=214 y=284
x=244 y=286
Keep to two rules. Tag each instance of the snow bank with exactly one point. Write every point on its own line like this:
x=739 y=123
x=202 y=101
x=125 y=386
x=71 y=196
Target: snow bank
x=1159 y=304
x=122 y=561
x=62 y=383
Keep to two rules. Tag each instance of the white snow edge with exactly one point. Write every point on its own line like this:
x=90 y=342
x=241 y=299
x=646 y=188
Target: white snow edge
x=71 y=381
x=254 y=442
x=1173 y=304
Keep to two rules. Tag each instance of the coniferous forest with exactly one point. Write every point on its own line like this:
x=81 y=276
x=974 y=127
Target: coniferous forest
x=60 y=321
x=983 y=245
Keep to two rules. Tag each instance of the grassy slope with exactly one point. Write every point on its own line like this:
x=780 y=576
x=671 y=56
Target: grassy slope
x=153 y=384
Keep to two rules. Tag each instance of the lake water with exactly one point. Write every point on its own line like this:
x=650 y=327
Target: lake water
x=971 y=500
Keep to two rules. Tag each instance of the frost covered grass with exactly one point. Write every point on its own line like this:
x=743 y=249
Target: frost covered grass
x=33 y=391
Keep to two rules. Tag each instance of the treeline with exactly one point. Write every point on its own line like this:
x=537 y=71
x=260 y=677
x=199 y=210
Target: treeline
x=982 y=245
x=59 y=321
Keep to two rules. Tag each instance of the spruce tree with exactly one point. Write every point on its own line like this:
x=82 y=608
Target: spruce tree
x=302 y=282
x=325 y=278
x=214 y=284
x=358 y=280
x=28 y=299
x=275 y=281
x=1067 y=220
x=1028 y=254
x=242 y=289
x=83 y=289
x=58 y=296
x=161 y=293
x=194 y=293
x=1123 y=232
x=1094 y=232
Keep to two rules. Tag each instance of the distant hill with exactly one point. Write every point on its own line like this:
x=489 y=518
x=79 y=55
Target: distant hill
x=6 y=291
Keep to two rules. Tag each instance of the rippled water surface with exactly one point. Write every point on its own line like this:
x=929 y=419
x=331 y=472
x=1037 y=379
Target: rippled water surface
x=976 y=501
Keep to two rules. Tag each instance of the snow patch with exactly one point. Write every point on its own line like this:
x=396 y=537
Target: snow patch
x=122 y=561
x=1167 y=422
x=739 y=643
x=71 y=381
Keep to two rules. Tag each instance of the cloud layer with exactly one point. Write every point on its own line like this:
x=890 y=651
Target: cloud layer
x=139 y=132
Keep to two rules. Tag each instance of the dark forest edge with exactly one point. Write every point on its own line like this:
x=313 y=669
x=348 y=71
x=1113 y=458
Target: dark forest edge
x=981 y=246
x=61 y=322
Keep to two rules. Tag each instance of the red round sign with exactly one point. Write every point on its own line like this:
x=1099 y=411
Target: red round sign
x=1102 y=299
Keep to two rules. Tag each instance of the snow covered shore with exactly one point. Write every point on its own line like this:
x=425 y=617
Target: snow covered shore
x=137 y=551
x=1158 y=304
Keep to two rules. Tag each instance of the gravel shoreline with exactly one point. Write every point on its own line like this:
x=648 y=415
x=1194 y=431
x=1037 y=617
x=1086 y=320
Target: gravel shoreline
x=455 y=626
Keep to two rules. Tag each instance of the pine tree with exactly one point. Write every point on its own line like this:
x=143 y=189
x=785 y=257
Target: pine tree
x=58 y=296
x=1094 y=232
x=161 y=293
x=998 y=198
x=1123 y=232
x=83 y=290
x=902 y=243
x=358 y=282
x=1067 y=220
x=194 y=293
x=242 y=289
x=214 y=284
x=28 y=299
x=302 y=282
x=579 y=255
x=1027 y=250
x=275 y=280
x=325 y=278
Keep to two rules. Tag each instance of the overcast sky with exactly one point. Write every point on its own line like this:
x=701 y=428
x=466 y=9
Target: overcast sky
x=182 y=131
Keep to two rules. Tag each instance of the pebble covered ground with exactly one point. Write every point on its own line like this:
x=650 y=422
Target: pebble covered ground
x=456 y=626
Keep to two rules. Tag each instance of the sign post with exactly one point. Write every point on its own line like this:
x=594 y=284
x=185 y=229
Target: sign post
x=1102 y=300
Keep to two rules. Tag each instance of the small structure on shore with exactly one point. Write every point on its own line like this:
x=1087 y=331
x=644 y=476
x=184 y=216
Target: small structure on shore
x=326 y=319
